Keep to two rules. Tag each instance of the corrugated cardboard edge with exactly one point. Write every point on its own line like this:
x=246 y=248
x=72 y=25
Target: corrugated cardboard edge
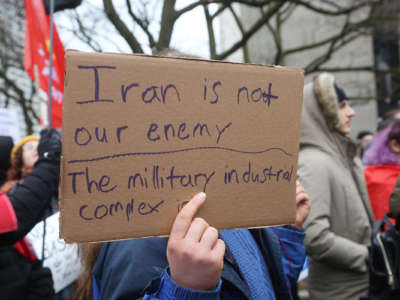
x=61 y=202
x=278 y=68
x=162 y=236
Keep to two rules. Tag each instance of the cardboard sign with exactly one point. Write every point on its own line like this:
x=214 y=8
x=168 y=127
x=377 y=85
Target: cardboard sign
x=142 y=135
x=61 y=258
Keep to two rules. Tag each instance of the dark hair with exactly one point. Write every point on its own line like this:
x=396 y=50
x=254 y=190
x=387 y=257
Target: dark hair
x=341 y=95
x=6 y=144
x=363 y=133
x=394 y=133
x=391 y=113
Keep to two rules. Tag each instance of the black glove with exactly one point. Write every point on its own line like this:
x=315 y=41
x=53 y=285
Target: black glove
x=49 y=148
x=40 y=282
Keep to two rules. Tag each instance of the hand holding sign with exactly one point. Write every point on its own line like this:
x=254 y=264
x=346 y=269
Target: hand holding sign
x=195 y=254
x=303 y=205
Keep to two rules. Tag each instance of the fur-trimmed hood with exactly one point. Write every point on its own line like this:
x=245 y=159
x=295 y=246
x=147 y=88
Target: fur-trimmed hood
x=324 y=90
x=320 y=118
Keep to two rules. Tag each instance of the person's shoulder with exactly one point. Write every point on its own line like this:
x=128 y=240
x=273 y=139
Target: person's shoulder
x=135 y=252
x=316 y=158
x=136 y=248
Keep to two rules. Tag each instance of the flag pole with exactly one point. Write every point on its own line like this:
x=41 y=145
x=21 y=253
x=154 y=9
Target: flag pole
x=37 y=87
x=50 y=100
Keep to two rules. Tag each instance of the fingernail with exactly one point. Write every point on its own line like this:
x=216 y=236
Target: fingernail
x=201 y=196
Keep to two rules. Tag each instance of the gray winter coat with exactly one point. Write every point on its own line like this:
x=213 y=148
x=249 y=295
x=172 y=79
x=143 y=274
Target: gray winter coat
x=338 y=227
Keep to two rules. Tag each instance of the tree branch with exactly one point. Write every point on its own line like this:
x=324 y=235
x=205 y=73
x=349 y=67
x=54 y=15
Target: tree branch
x=253 y=3
x=121 y=27
x=316 y=63
x=245 y=48
x=271 y=11
x=220 y=10
x=144 y=27
x=210 y=30
x=368 y=68
x=347 y=29
x=84 y=35
x=20 y=99
x=168 y=19
x=338 y=12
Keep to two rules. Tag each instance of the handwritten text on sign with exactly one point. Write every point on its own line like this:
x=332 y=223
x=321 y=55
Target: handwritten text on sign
x=141 y=135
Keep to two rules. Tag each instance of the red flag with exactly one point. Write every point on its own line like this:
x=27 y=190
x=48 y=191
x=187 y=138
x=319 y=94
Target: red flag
x=37 y=48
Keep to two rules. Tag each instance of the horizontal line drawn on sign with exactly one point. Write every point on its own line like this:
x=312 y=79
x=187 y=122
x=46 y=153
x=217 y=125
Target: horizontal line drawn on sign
x=113 y=156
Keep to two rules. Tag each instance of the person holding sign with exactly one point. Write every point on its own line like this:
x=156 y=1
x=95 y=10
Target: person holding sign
x=198 y=262
x=35 y=166
x=23 y=208
x=338 y=229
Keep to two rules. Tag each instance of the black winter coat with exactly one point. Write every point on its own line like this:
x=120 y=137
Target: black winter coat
x=20 y=279
x=31 y=198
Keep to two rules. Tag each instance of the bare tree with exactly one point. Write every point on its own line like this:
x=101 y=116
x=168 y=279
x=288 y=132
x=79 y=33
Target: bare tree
x=148 y=26
x=12 y=89
x=133 y=15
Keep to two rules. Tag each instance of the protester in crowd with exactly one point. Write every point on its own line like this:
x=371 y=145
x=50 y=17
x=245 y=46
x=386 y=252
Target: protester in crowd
x=392 y=114
x=387 y=118
x=338 y=228
x=382 y=159
x=25 y=206
x=394 y=204
x=21 y=273
x=23 y=157
x=6 y=144
x=364 y=138
x=198 y=263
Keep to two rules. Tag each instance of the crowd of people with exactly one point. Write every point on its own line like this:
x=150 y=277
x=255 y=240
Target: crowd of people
x=343 y=188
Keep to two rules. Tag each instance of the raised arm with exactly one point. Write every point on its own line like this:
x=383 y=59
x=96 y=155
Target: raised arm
x=30 y=198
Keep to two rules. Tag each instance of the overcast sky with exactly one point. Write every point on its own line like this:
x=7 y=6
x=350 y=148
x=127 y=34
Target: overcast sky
x=189 y=36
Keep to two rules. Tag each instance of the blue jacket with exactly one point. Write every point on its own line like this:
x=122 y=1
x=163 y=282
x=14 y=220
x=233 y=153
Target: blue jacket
x=136 y=269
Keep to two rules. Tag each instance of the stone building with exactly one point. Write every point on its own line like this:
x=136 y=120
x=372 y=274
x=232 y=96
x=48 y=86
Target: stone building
x=306 y=27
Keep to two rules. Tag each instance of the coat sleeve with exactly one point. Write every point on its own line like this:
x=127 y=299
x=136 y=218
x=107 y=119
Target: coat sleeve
x=8 y=220
x=166 y=289
x=31 y=198
x=321 y=242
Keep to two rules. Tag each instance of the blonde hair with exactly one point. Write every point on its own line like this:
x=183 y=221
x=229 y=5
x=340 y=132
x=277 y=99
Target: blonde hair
x=89 y=253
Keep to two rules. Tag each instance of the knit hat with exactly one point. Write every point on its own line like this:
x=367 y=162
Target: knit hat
x=341 y=95
x=20 y=144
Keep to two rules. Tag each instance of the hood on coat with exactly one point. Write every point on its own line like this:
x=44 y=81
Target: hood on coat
x=320 y=118
x=324 y=90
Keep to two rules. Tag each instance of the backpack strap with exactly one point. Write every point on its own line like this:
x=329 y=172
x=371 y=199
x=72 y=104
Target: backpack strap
x=378 y=229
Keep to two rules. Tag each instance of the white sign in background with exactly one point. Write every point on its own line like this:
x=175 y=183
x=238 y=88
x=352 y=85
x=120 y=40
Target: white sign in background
x=61 y=258
x=9 y=124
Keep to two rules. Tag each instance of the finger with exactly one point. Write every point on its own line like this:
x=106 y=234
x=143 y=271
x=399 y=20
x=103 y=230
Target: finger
x=301 y=197
x=196 y=229
x=184 y=218
x=209 y=237
x=219 y=249
x=299 y=188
